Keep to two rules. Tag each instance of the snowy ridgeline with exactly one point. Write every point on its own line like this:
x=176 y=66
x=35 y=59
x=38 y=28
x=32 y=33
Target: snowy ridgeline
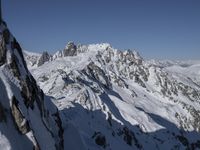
x=111 y=99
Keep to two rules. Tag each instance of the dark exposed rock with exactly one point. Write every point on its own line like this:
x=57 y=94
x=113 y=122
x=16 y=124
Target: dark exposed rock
x=132 y=57
x=183 y=140
x=2 y=113
x=98 y=74
x=99 y=139
x=185 y=122
x=2 y=52
x=20 y=121
x=168 y=87
x=109 y=55
x=120 y=82
x=189 y=92
x=15 y=45
x=44 y=58
x=28 y=92
x=58 y=121
x=109 y=119
x=133 y=94
x=195 y=145
x=129 y=137
x=6 y=36
x=172 y=87
x=43 y=78
x=196 y=115
x=4 y=23
x=14 y=66
x=70 y=50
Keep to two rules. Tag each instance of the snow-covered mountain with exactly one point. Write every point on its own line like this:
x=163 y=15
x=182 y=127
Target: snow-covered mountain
x=28 y=119
x=112 y=99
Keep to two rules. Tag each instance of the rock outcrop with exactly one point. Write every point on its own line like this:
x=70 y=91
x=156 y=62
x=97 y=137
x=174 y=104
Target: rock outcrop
x=70 y=50
x=45 y=57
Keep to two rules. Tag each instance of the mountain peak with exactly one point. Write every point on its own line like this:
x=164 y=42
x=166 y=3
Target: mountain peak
x=70 y=50
x=70 y=44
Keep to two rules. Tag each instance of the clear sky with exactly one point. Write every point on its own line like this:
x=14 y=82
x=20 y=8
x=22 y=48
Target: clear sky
x=168 y=29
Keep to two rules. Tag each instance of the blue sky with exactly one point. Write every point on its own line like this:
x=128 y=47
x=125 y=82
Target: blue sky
x=165 y=29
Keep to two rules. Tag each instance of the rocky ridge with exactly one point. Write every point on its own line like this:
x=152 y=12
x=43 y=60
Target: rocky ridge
x=117 y=99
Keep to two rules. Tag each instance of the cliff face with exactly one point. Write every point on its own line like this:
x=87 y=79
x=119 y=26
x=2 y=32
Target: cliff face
x=28 y=118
